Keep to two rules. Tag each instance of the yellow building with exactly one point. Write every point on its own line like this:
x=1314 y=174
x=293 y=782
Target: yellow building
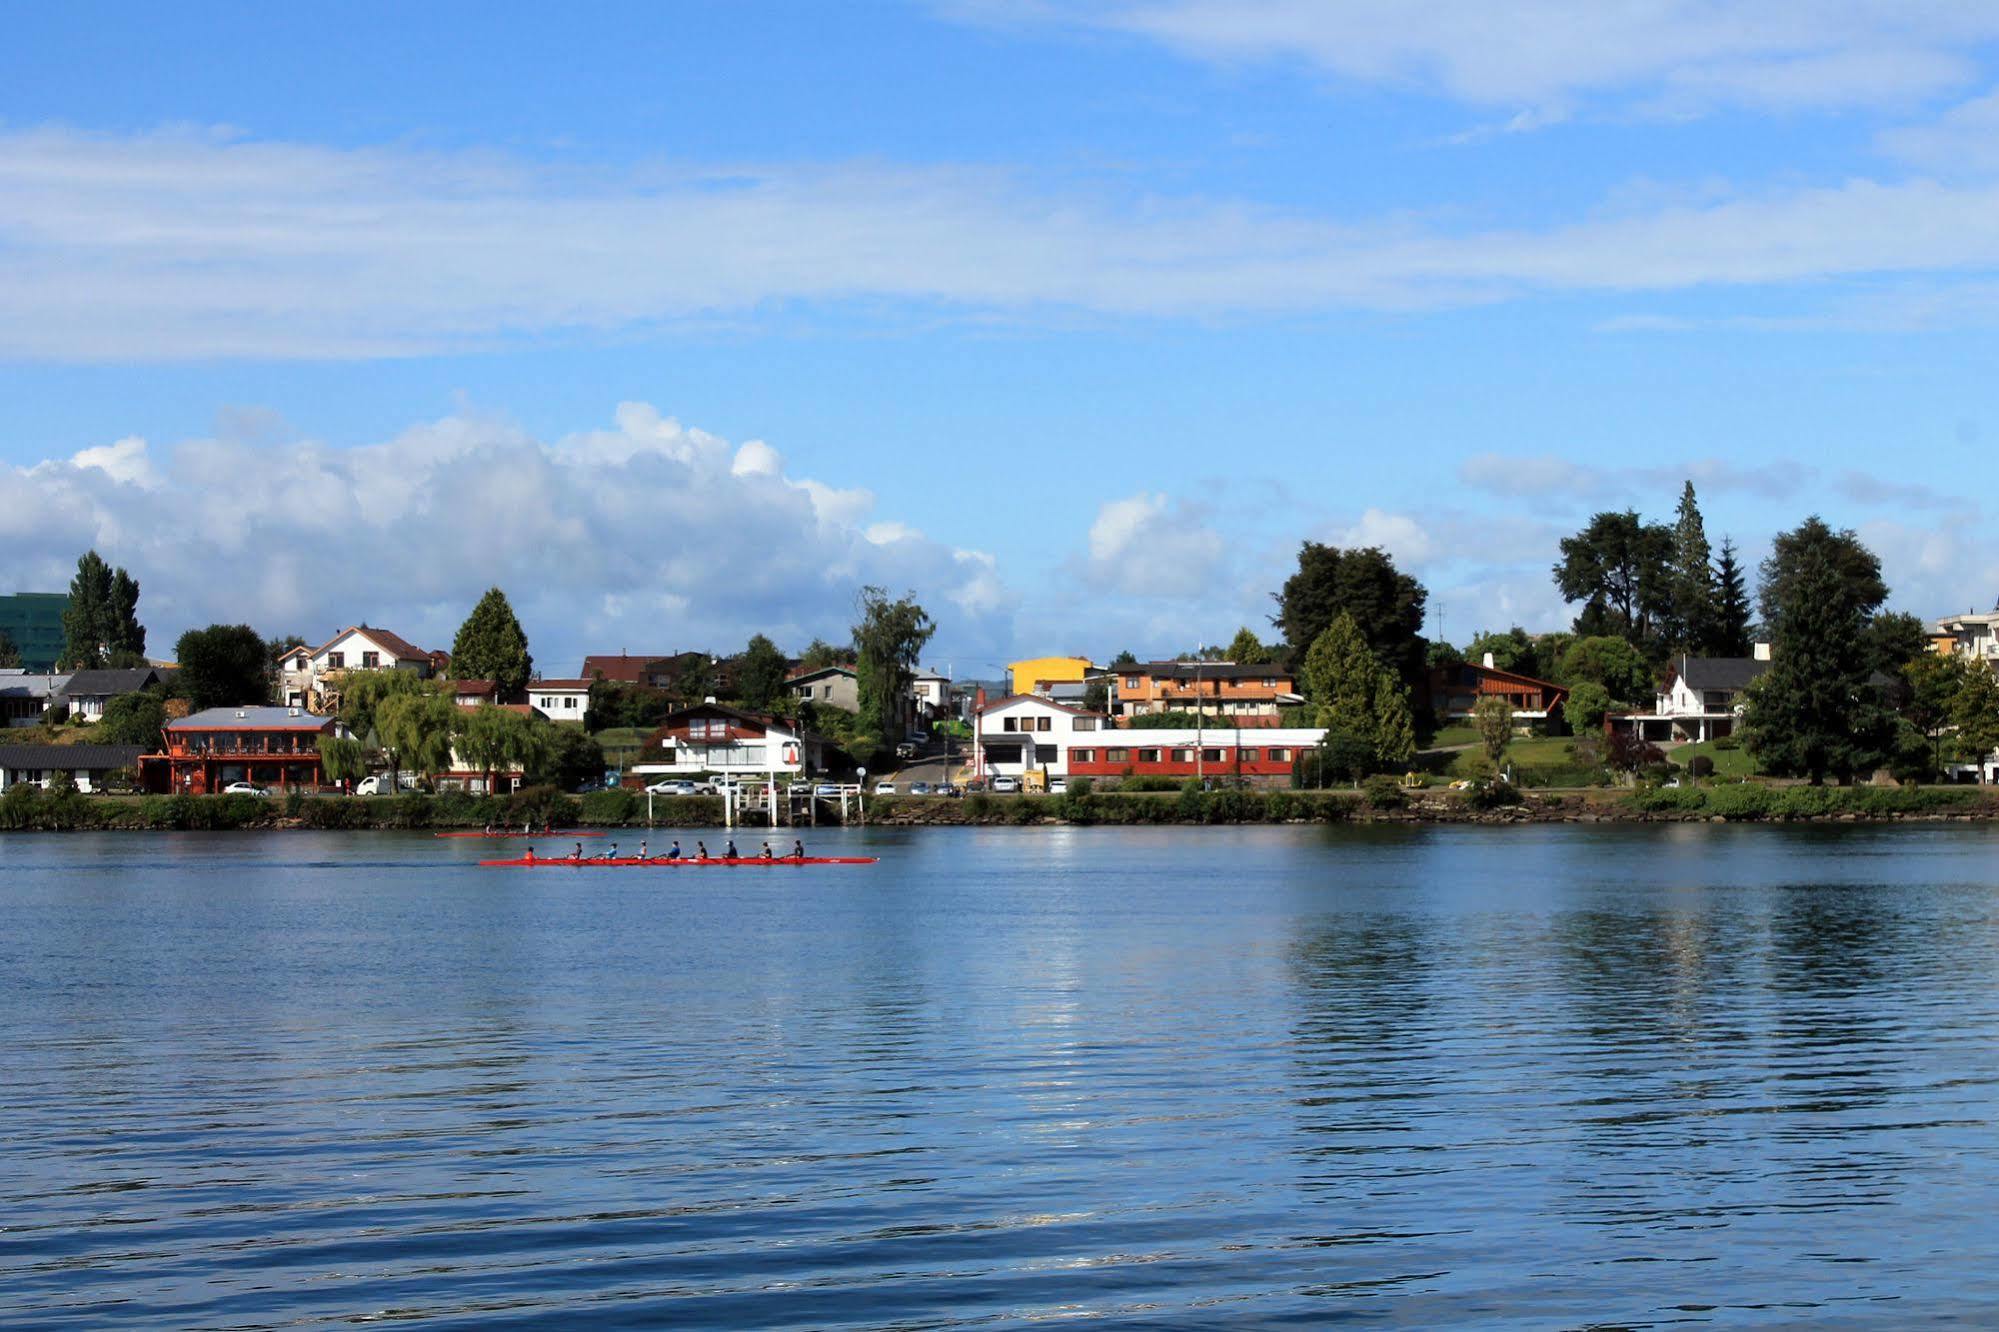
x=1036 y=673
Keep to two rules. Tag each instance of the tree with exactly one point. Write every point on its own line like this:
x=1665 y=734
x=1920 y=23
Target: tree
x=1846 y=561
x=1618 y=567
x=1124 y=658
x=415 y=730
x=494 y=739
x=1894 y=639
x=1493 y=716
x=10 y=655
x=342 y=759
x=1813 y=713
x=1511 y=651
x=362 y=694
x=760 y=674
x=1339 y=677
x=614 y=703
x=276 y=648
x=1394 y=724
x=1585 y=707
x=1246 y=649
x=223 y=666
x=1611 y=662
x=1691 y=588
x=1975 y=714
x=492 y=646
x=888 y=639
x=1728 y=634
x=1934 y=682
x=1385 y=604
x=132 y=719
x=102 y=618
x=820 y=654
x=1442 y=654
x=570 y=759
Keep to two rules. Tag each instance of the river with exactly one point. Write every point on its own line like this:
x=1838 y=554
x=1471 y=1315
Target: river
x=1531 y=1077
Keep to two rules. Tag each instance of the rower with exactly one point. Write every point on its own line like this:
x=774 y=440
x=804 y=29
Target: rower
x=700 y=850
x=577 y=854
x=729 y=851
x=489 y=827
x=673 y=852
x=642 y=850
x=766 y=852
x=797 y=850
x=612 y=854
x=530 y=855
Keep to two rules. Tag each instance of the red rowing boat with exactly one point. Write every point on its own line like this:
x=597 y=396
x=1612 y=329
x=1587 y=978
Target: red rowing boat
x=622 y=862
x=558 y=835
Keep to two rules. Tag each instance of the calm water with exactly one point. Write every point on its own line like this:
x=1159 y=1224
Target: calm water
x=1530 y=1078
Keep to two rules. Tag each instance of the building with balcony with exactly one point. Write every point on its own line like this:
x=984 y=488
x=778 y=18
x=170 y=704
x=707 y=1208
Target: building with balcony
x=310 y=677
x=1037 y=740
x=268 y=746
x=1969 y=635
x=1245 y=694
x=1703 y=698
x=713 y=737
x=1453 y=692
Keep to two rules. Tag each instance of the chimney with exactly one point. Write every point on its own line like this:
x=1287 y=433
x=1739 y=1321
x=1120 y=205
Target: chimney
x=1762 y=652
x=979 y=700
x=709 y=699
x=1488 y=662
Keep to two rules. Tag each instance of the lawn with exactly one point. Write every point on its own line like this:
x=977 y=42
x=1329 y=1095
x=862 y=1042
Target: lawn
x=1447 y=736
x=1540 y=751
x=1728 y=763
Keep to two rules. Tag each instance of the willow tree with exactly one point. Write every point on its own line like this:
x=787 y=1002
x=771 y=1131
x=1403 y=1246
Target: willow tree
x=888 y=639
x=415 y=731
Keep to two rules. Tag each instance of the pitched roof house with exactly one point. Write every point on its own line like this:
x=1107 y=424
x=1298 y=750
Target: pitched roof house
x=87 y=692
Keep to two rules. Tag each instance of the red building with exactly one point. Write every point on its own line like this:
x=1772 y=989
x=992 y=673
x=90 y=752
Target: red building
x=1455 y=690
x=263 y=745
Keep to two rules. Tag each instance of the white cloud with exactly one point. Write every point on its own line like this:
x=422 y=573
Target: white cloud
x=647 y=536
x=1964 y=139
x=1146 y=545
x=1672 y=57
x=1397 y=533
x=164 y=247
x=1547 y=476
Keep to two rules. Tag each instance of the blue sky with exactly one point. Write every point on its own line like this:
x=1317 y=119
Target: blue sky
x=1074 y=316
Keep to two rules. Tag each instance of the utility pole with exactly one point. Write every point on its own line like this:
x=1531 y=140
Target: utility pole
x=1199 y=710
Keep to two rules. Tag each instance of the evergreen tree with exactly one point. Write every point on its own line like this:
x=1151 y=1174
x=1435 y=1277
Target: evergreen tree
x=1693 y=591
x=1339 y=677
x=1894 y=639
x=1245 y=649
x=125 y=637
x=760 y=674
x=491 y=645
x=10 y=655
x=84 y=623
x=1813 y=714
x=1394 y=725
x=1975 y=714
x=1386 y=604
x=1728 y=634
x=1935 y=680
x=1854 y=567
x=223 y=666
x=1493 y=716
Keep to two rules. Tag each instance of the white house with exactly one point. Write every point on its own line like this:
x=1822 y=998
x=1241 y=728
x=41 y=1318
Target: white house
x=86 y=692
x=1703 y=698
x=25 y=695
x=87 y=765
x=1037 y=739
x=1028 y=736
x=933 y=696
x=561 y=700
x=713 y=737
x=306 y=676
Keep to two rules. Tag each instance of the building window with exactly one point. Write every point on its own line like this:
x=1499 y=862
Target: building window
x=1082 y=756
x=1010 y=724
x=371 y=660
x=570 y=702
x=1280 y=756
x=1045 y=724
x=1183 y=756
x=1148 y=756
x=335 y=660
x=1086 y=723
x=1117 y=756
x=1246 y=755
x=1131 y=682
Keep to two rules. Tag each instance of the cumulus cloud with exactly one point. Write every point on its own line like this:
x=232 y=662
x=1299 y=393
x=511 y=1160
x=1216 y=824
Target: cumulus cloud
x=1671 y=57
x=1146 y=545
x=647 y=536
x=174 y=246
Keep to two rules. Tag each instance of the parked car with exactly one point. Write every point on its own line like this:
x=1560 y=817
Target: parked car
x=976 y=786
x=1006 y=786
x=245 y=788
x=379 y=783
x=905 y=750
x=1057 y=785
x=674 y=786
x=884 y=788
x=946 y=789
x=826 y=789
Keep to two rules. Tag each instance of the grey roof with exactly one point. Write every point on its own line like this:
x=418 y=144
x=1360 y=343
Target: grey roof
x=1206 y=670
x=93 y=758
x=250 y=719
x=17 y=683
x=1721 y=672
x=110 y=684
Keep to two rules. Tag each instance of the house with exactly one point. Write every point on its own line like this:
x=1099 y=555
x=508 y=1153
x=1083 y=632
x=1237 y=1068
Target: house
x=462 y=775
x=686 y=673
x=1035 y=674
x=932 y=693
x=87 y=692
x=1453 y=692
x=561 y=700
x=1251 y=692
x=622 y=668
x=473 y=693
x=829 y=686
x=87 y=765
x=309 y=677
x=1971 y=635
x=713 y=737
x=25 y=695
x=1702 y=698
x=270 y=746
x=1036 y=739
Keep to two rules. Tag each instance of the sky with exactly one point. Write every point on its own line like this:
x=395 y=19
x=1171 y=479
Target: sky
x=1073 y=318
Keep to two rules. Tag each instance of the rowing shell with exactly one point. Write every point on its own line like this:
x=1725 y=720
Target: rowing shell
x=564 y=862
x=545 y=836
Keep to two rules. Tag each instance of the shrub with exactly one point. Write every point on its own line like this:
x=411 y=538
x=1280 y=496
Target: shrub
x=1147 y=783
x=1080 y=786
x=1741 y=800
x=1729 y=741
x=1494 y=795
x=1384 y=792
x=617 y=807
x=978 y=805
x=1700 y=765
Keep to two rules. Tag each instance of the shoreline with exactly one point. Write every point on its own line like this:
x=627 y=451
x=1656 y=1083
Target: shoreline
x=34 y=811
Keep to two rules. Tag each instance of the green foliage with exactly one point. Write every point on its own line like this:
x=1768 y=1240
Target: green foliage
x=222 y=666
x=820 y=654
x=616 y=807
x=415 y=730
x=1612 y=662
x=570 y=759
x=342 y=759
x=1728 y=634
x=493 y=739
x=1585 y=707
x=1619 y=568
x=1168 y=721
x=1752 y=800
x=1386 y=605
x=760 y=674
x=1141 y=783
x=1442 y=654
x=1384 y=792
x=133 y=719
x=1494 y=718
x=1339 y=675
x=1690 y=591
x=1511 y=651
x=362 y=694
x=1975 y=714
x=101 y=620
x=1896 y=638
x=1813 y=713
x=1494 y=795
x=1080 y=786
x=615 y=705
x=888 y=639
x=491 y=645
x=1829 y=559
x=1246 y=649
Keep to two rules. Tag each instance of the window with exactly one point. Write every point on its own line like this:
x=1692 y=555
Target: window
x=1117 y=756
x=371 y=660
x=570 y=702
x=1086 y=723
x=1010 y=723
x=1183 y=756
x=1148 y=756
x=1246 y=755
x=1211 y=756
x=1131 y=682
x=1280 y=756
x=1270 y=682
x=1082 y=756
x=1045 y=724
x=335 y=660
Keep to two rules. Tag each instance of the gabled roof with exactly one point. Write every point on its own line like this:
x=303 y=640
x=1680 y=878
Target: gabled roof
x=801 y=677
x=995 y=704
x=1720 y=672
x=559 y=684
x=399 y=648
x=622 y=667
x=1205 y=670
x=18 y=683
x=251 y=719
x=97 y=758
x=109 y=683
x=1493 y=672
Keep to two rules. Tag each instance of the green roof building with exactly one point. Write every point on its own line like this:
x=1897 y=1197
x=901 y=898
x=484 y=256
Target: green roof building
x=34 y=621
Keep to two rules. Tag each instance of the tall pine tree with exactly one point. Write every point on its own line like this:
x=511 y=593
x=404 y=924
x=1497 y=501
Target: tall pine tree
x=1813 y=713
x=1692 y=578
x=491 y=645
x=101 y=626
x=1729 y=634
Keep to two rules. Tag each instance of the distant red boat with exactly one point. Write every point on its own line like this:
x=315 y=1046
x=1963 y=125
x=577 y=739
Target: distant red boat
x=718 y=862
x=558 y=834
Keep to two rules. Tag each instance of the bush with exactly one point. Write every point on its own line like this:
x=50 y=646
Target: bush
x=1141 y=784
x=1384 y=792
x=1700 y=765
x=618 y=807
x=1080 y=787
x=1494 y=795
x=1729 y=741
x=978 y=805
